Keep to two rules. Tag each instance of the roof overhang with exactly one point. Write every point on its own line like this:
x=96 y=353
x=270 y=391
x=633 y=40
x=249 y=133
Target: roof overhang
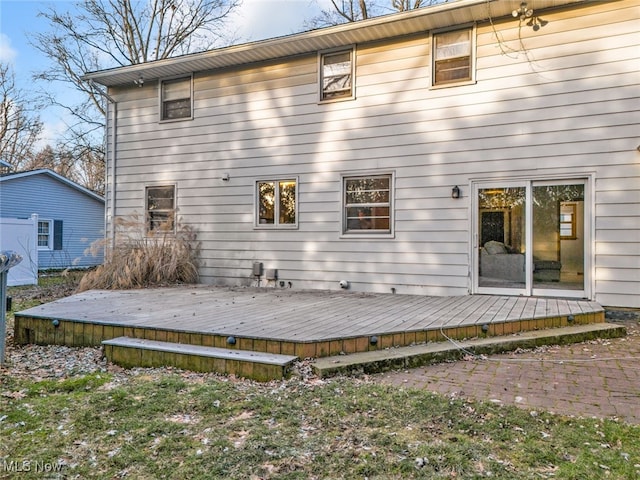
x=54 y=175
x=442 y=15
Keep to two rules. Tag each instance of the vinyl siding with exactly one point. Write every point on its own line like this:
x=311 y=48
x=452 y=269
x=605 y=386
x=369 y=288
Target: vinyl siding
x=559 y=102
x=82 y=217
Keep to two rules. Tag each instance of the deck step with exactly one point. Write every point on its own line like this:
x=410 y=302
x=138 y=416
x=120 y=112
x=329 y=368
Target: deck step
x=136 y=352
x=436 y=352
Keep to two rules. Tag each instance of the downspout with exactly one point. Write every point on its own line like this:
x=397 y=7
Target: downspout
x=114 y=124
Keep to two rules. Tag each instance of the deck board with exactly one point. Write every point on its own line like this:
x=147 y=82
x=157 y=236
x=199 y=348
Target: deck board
x=298 y=316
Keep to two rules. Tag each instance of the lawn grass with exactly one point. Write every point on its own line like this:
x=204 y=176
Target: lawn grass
x=164 y=423
x=171 y=424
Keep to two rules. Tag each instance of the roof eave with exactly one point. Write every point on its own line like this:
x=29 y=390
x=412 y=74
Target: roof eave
x=458 y=12
x=52 y=174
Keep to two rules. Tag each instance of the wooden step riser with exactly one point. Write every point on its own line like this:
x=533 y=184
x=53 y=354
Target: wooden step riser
x=128 y=357
x=77 y=334
x=419 y=355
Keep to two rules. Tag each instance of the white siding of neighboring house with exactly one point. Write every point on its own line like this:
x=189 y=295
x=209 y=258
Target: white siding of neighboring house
x=559 y=102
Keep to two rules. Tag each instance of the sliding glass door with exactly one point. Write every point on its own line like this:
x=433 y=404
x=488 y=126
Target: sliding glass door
x=530 y=238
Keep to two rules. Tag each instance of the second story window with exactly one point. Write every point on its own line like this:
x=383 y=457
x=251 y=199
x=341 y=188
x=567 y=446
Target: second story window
x=175 y=98
x=452 y=59
x=336 y=75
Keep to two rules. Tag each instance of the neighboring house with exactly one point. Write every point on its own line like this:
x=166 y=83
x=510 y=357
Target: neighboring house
x=70 y=217
x=451 y=150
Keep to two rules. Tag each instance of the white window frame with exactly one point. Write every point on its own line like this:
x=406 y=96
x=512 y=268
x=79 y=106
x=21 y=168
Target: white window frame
x=367 y=233
x=147 y=221
x=49 y=245
x=258 y=224
x=161 y=83
x=472 y=60
x=336 y=51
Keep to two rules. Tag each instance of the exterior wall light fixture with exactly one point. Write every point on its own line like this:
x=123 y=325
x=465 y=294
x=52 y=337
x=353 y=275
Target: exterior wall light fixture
x=523 y=12
x=455 y=192
x=526 y=13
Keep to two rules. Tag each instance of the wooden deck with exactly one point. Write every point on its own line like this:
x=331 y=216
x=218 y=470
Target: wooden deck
x=290 y=322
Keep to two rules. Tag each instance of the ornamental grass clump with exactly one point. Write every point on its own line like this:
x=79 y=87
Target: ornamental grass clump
x=142 y=259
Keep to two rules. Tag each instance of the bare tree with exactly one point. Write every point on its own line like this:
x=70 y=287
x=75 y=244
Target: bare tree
x=110 y=33
x=404 y=5
x=89 y=169
x=352 y=10
x=344 y=11
x=80 y=166
x=20 y=126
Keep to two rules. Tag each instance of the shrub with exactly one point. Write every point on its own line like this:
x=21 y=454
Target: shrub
x=139 y=259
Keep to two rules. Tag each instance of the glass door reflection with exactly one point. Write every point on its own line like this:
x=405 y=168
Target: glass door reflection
x=558 y=237
x=502 y=237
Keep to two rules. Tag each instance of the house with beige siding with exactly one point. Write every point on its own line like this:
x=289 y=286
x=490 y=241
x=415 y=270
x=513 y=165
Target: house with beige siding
x=471 y=147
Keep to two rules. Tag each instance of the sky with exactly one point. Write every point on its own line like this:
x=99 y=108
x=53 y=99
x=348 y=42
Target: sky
x=255 y=20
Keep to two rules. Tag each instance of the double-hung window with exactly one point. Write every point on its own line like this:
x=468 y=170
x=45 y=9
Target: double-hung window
x=276 y=203
x=160 y=208
x=50 y=235
x=336 y=74
x=452 y=57
x=45 y=235
x=367 y=204
x=175 y=98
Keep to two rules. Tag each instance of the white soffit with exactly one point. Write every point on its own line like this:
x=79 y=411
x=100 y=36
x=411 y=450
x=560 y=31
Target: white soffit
x=400 y=24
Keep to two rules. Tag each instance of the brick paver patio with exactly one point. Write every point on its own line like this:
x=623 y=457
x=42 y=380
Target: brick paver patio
x=600 y=378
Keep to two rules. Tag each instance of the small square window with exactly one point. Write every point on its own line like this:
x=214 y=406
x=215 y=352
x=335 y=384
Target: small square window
x=452 y=58
x=336 y=75
x=367 y=204
x=176 y=98
x=277 y=204
x=160 y=209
